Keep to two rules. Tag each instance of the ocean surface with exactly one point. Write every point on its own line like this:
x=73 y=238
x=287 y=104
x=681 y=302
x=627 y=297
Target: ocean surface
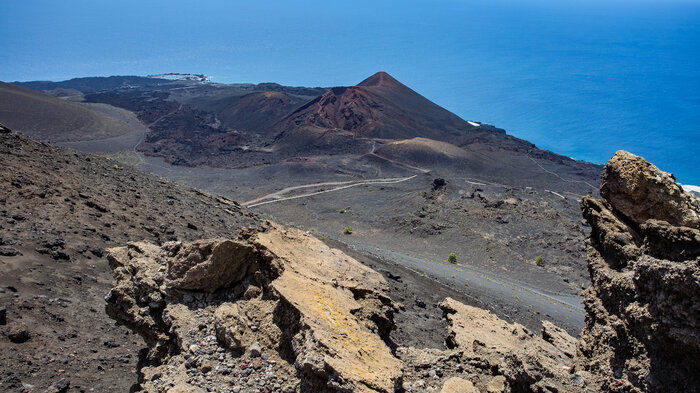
x=583 y=79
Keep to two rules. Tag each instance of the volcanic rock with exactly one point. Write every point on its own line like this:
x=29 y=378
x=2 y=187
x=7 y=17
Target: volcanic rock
x=558 y=337
x=458 y=385
x=208 y=265
x=9 y=251
x=229 y=325
x=185 y=388
x=497 y=384
x=642 y=329
x=321 y=335
x=345 y=322
x=640 y=191
x=18 y=332
x=302 y=316
x=60 y=386
x=527 y=362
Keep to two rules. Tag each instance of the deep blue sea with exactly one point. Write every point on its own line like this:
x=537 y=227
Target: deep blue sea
x=583 y=79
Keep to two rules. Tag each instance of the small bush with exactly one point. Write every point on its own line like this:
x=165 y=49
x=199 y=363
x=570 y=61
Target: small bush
x=452 y=258
x=539 y=261
x=341 y=211
x=347 y=230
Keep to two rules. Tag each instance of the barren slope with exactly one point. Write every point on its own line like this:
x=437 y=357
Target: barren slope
x=252 y=112
x=60 y=210
x=53 y=119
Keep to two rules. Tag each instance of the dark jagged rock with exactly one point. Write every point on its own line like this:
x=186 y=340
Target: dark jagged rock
x=9 y=251
x=643 y=309
x=439 y=183
x=18 y=333
x=60 y=386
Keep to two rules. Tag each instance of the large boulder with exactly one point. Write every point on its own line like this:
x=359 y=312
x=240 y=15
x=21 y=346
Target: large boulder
x=640 y=191
x=208 y=265
x=642 y=329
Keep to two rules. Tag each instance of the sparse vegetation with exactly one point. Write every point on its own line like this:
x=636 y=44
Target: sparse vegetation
x=452 y=258
x=539 y=261
x=347 y=230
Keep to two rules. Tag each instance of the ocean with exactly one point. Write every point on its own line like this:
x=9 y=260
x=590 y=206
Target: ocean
x=583 y=79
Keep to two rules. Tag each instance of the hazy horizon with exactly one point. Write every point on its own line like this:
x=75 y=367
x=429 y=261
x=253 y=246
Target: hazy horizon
x=580 y=79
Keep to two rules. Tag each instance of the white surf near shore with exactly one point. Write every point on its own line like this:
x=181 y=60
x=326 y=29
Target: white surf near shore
x=687 y=187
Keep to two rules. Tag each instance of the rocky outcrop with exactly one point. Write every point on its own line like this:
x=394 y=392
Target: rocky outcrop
x=643 y=309
x=209 y=265
x=278 y=310
x=524 y=361
x=342 y=309
x=279 y=301
x=640 y=191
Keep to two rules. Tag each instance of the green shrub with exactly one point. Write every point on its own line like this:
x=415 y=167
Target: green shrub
x=539 y=261
x=452 y=258
x=347 y=230
x=341 y=211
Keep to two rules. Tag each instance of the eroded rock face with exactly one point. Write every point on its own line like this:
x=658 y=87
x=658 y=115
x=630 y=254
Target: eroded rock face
x=342 y=308
x=277 y=301
x=207 y=265
x=278 y=310
x=643 y=309
x=640 y=191
x=525 y=362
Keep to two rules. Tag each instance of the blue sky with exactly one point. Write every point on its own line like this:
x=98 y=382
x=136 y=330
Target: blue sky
x=580 y=78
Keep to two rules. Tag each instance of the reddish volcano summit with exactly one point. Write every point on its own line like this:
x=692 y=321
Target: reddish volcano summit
x=379 y=107
x=383 y=79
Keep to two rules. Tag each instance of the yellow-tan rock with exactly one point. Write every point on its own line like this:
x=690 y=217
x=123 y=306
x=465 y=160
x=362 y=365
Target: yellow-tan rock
x=319 y=282
x=520 y=356
x=458 y=385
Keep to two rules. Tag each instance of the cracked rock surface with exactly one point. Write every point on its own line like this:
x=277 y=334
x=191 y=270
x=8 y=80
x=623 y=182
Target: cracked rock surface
x=278 y=304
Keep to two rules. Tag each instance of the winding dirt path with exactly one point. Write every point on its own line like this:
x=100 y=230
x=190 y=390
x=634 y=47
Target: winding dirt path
x=373 y=153
x=561 y=178
x=277 y=195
